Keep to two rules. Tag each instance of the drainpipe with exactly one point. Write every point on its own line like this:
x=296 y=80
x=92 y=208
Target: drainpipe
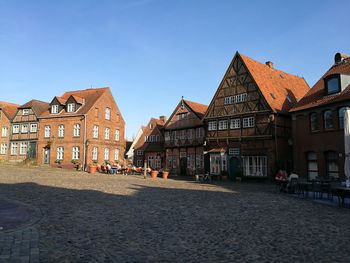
x=84 y=145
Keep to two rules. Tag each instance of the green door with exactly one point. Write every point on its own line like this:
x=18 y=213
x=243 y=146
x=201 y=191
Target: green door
x=234 y=166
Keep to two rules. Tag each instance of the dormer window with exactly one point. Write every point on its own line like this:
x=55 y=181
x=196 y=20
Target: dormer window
x=25 y=112
x=332 y=84
x=71 y=107
x=54 y=109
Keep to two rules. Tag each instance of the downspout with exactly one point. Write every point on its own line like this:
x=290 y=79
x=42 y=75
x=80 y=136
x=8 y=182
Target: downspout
x=276 y=141
x=84 y=145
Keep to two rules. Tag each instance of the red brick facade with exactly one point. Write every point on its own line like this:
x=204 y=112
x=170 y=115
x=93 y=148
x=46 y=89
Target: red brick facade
x=7 y=112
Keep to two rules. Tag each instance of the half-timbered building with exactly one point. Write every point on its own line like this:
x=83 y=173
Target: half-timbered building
x=25 y=131
x=149 y=147
x=248 y=126
x=7 y=112
x=184 y=136
x=318 y=124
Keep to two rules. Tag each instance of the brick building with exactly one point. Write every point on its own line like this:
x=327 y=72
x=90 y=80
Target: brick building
x=7 y=112
x=85 y=126
x=25 y=131
x=248 y=125
x=318 y=123
x=184 y=138
x=150 y=145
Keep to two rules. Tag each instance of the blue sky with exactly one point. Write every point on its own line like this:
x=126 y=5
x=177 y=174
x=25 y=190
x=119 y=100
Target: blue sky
x=152 y=52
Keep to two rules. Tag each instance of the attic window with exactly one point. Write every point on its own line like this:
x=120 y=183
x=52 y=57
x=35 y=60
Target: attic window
x=54 y=109
x=332 y=84
x=273 y=95
x=71 y=107
x=25 y=112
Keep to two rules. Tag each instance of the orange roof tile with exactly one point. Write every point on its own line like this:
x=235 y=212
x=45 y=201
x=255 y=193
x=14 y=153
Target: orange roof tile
x=37 y=106
x=198 y=108
x=280 y=89
x=8 y=108
x=317 y=95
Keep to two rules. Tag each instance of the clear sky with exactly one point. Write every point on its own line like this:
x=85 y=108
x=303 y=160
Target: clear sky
x=152 y=52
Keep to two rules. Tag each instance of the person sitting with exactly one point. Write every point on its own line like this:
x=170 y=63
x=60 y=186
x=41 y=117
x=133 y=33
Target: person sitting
x=109 y=168
x=292 y=181
x=281 y=180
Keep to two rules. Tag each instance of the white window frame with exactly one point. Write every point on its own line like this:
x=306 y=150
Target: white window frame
x=60 y=153
x=255 y=166
x=106 y=154
x=199 y=133
x=54 y=109
x=25 y=112
x=94 y=153
x=75 y=152
x=212 y=126
x=61 y=131
x=235 y=123
x=248 y=122
x=223 y=125
x=95 y=132
x=3 y=148
x=23 y=148
x=139 y=152
x=4 y=131
x=76 y=130
x=117 y=135
x=70 y=107
x=116 y=154
x=33 y=127
x=47 y=131
x=228 y=100
x=240 y=98
x=14 y=148
x=15 y=128
x=107 y=132
x=24 y=128
x=107 y=113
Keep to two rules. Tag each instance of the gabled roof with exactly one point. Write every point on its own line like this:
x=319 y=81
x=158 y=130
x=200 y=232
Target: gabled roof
x=275 y=85
x=36 y=105
x=88 y=96
x=60 y=100
x=9 y=109
x=197 y=108
x=78 y=99
x=317 y=95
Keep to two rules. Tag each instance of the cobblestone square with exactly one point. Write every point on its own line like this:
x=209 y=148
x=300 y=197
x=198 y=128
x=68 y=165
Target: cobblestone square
x=83 y=217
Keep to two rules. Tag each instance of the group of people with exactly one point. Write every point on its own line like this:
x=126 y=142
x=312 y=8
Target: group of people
x=284 y=181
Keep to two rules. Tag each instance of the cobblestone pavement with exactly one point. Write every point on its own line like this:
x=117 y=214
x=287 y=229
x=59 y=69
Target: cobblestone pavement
x=116 y=218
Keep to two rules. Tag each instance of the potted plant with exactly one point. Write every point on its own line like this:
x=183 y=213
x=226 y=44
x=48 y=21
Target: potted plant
x=76 y=164
x=239 y=175
x=93 y=167
x=165 y=173
x=154 y=173
x=58 y=161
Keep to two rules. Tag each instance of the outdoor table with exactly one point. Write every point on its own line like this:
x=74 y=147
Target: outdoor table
x=114 y=169
x=341 y=192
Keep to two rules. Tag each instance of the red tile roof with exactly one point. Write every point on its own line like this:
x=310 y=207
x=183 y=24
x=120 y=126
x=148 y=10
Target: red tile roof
x=37 y=106
x=88 y=96
x=8 y=108
x=198 y=108
x=276 y=85
x=317 y=95
x=61 y=100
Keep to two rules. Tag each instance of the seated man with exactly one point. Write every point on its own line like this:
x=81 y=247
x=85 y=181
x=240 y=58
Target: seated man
x=109 y=168
x=281 y=180
x=292 y=181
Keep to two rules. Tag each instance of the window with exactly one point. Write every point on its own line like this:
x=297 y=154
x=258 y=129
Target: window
x=95 y=132
x=212 y=126
x=61 y=131
x=223 y=125
x=248 y=122
x=181 y=116
x=106 y=155
x=183 y=134
x=215 y=163
x=33 y=127
x=240 y=98
x=23 y=148
x=47 y=131
x=157 y=138
x=341 y=113
x=233 y=151
x=146 y=138
x=71 y=107
x=139 y=163
x=255 y=166
x=314 y=122
x=3 y=148
x=76 y=130
x=139 y=152
x=312 y=167
x=107 y=133
x=228 y=100
x=117 y=134
x=332 y=84
x=199 y=132
x=235 y=124
x=60 y=153
x=332 y=169
x=94 y=153
x=4 y=131
x=107 y=113
x=24 y=128
x=25 y=112
x=54 y=109
x=14 y=148
x=15 y=128
x=75 y=153
x=328 y=119
x=189 y=134
x=116 y=154
x=167 y=136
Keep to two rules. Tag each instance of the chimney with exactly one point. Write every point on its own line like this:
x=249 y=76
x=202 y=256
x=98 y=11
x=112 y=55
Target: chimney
x=163 y=118
x=269 y=64
x=339 y=57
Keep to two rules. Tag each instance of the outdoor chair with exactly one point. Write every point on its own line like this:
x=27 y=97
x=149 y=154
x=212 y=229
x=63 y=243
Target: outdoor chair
x=292 y=186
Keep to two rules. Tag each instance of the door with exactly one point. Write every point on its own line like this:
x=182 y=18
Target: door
x=46 y=156
x=234 y=166
x=32 y=150
x=183 y=166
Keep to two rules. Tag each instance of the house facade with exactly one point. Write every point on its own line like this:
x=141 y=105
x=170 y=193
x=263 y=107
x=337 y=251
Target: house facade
x=7 y=112
x=149 y=147
x=184 y=136
x=83 y=126
x=249 y=129
x=318 y=124
x=25 y=128
x=131 y=152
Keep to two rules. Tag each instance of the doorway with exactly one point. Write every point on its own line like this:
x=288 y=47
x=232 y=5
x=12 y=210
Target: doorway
x=234 y=166
x=183 y=166
x=46 y=155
